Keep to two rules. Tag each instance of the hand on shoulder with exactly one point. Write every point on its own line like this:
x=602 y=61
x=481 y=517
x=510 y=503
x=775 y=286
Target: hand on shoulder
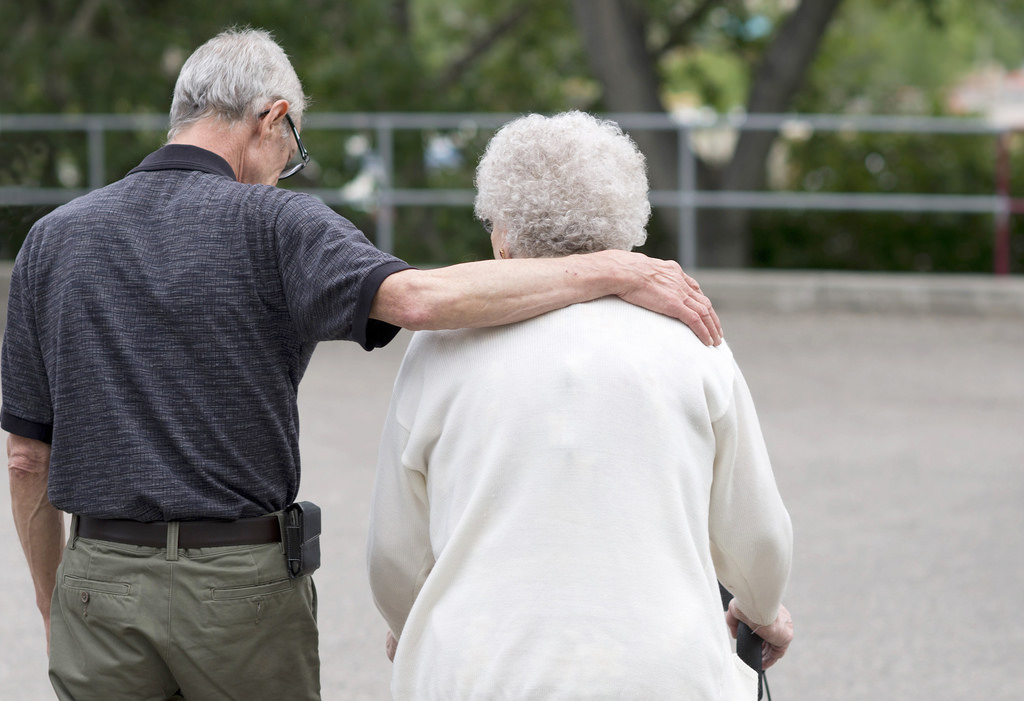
x=662 y=286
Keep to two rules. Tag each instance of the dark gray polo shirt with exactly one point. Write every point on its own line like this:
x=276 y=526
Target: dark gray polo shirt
x=158 y=329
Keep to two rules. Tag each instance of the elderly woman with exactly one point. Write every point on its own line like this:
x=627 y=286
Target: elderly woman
x=556 y=499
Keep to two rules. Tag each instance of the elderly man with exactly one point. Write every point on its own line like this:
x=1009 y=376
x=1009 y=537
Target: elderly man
x=158 y=329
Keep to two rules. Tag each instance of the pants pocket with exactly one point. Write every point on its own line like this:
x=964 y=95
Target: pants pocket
x=252 y=590
x=252 y=604
x=99 y=600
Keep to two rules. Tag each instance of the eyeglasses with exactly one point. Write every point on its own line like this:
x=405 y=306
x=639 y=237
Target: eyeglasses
x=289 y=171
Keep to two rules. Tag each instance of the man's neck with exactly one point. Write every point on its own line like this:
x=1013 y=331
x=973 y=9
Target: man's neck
x=216 y=136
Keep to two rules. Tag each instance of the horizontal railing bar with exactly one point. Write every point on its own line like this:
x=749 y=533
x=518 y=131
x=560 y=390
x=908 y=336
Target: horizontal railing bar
x=457 y=120
x=82 y=122
x=902 y=202
x=700 y=199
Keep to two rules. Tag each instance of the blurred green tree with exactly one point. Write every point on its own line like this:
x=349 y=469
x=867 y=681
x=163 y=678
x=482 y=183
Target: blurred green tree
x=882 y=241
x=103 y=56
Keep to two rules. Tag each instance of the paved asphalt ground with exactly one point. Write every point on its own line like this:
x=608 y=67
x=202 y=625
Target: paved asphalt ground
x=894 y=411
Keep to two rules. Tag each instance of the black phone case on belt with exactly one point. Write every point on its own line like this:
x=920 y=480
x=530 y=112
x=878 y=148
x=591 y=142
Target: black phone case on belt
x=302 y=538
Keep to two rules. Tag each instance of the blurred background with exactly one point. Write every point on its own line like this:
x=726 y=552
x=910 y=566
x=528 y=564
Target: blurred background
x=912 y=170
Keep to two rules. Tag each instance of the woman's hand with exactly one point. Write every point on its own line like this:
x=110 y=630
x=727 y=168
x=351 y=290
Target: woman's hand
x=776 y=636
x=390 y=646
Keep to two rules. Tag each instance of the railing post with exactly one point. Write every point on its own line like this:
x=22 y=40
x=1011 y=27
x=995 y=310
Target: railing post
x=97 y=156
x=385 y=201
x=1001 y=253
x=687 y=243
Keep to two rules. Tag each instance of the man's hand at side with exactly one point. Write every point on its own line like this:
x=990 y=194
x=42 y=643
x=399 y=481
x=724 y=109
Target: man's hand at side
x=40 y=526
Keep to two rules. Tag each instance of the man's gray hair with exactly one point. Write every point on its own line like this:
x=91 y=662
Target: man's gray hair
x=234 y=76
x=560 y=185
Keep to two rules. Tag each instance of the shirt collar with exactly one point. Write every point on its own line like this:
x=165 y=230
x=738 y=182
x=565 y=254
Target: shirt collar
x=185 y=157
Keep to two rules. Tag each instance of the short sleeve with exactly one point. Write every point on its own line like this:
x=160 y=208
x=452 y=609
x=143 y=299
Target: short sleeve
x=331 y=272
x=27 y=406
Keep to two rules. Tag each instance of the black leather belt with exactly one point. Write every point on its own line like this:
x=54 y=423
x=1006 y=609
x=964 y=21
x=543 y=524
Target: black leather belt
x=191 y=534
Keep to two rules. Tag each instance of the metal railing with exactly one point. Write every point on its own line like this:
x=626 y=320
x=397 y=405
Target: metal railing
x=687 y=199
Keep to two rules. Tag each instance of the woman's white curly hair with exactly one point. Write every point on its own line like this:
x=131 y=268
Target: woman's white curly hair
x=560 y=185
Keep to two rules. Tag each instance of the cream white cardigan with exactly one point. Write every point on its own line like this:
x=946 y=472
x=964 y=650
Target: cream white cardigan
x=555 y=502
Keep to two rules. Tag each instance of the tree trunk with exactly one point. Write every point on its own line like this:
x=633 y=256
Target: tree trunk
x=776 y=81
x=614 y=35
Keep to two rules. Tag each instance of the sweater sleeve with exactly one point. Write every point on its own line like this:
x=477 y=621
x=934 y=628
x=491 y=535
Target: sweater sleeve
x=399 y=553
x=751 y=533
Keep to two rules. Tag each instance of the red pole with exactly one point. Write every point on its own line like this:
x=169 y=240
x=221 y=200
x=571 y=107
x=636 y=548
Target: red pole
x=1001 y=255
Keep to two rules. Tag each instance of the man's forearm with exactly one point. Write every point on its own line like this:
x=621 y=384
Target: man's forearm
x=40 y=526
x=487 y=293
x=490 y=293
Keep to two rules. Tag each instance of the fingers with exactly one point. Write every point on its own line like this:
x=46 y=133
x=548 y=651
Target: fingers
x=718 y=333
x=777 y=638
x=733 y=623
x=390 y=646
x=770 y=654
x=693 y=318
x=697 y=301
x=692 y=282
x=706 y=323
x=662 y=286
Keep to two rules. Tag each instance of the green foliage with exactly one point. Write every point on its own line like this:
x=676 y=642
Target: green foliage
x=887 y=164
x=713 y=78
x=879 y=56
x=712 y=61
x=525 y=55
x=946 y=243
x=884 y=57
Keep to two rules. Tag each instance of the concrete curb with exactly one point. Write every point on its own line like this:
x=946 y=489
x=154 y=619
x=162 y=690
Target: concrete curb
x=798 y=291
x=878 y=293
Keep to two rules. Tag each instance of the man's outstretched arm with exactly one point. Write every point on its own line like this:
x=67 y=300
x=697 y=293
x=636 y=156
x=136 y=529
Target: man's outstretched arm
x=494 y=292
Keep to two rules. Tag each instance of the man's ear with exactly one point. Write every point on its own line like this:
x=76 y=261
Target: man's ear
x=270 y=123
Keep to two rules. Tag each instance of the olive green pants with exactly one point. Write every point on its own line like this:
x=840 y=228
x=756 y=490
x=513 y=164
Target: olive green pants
x=135 y=623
